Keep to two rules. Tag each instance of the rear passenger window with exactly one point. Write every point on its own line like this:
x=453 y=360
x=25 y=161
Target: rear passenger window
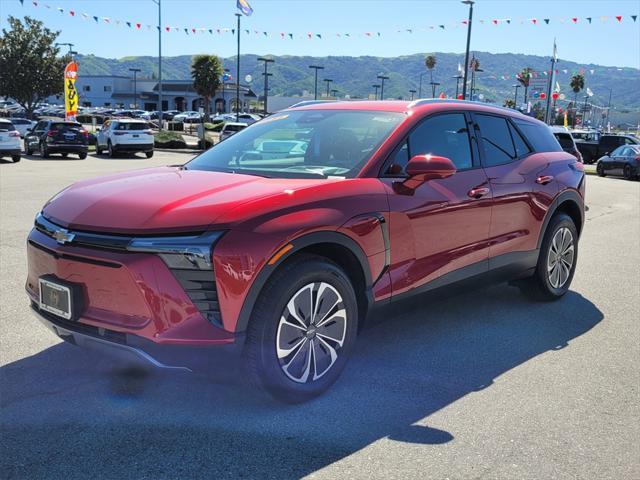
x=522 y=148
x=496 y=140
x=539 y=136
x=443 y=135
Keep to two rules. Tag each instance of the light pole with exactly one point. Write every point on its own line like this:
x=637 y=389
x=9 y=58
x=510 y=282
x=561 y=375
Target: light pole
x=159 y=3
x=238 y=73
x=473 y=80
x=412 y=92
x=433 y=88
x=328 y=80
x=334 y=93
x=458 y=78
x=375 y=95
x=266 y=75
x=466 y=55
x=420 y=85
x=224 y=79
x=135 y=87
x=515 y=95
x=609 y=107
x=382 y=78
x=315 y=90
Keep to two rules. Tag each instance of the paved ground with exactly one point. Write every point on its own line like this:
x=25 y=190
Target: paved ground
x=483 y=385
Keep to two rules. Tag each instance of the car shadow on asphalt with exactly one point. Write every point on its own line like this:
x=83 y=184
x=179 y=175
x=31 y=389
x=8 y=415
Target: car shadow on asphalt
x=69 y=413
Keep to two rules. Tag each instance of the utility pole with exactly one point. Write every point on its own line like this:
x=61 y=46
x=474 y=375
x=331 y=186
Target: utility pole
x=420 y=84
x=515 y=96
x=315 y=90
x=382 y=78
x=466 y=55
x=554 y=59
x=135 y=87
x=609 y=108
x=458 y=78
x=433 y=89
x=238 y=73
x=266 y=74
x=328 y=80
x=334 y=93
x=159 y=3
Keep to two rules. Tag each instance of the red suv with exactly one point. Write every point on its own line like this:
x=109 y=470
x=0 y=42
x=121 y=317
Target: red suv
x=278 y=241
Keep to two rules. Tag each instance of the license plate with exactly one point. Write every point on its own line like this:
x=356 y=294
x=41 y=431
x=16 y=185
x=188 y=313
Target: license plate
x=69 y=136
x=55 y=298
x=136 y=136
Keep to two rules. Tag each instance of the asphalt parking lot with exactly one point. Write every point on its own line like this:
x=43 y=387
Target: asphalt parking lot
x=481 y=385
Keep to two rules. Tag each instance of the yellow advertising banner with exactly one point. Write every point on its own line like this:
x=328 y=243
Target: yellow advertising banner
x=70 y=92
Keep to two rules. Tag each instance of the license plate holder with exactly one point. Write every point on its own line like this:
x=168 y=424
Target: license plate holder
x=59 y=298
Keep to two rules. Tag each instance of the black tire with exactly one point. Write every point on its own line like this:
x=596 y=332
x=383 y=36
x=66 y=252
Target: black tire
x=15 y=158
x=539 y=286
x=264 y=365
x=44 y=151
x=28 y=151
x=627 y=172
x=98 y=149
x=64 y=155
x=82 y=155
x=149 y=154
x=600 y=170
x=110 y=150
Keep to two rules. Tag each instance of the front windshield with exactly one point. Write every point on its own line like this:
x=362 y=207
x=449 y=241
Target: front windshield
x=302 y=144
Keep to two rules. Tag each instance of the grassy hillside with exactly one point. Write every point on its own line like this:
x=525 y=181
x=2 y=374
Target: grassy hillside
x=355 y=75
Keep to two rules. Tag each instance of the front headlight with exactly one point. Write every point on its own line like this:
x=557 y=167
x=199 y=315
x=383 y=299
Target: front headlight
x=193 y=252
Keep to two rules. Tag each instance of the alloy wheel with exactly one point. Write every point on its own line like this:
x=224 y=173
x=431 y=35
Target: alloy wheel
x=560 y=258
x=311 y=332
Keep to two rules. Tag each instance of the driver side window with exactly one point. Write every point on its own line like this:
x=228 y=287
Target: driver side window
x=444 y=135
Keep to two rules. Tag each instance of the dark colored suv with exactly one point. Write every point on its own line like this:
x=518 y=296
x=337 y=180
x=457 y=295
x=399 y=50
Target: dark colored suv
x=277 y=242
x=56 y=136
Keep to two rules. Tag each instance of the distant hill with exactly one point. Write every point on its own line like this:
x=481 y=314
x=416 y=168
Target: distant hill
x=355 y=75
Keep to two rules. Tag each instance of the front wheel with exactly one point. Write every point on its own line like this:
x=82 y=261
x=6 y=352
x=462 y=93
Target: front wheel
x=98 y=149
x=303 y=329
x=600 y=170
x=556 y=262
x=15 y=158
x=149 y=154
x=627 y=172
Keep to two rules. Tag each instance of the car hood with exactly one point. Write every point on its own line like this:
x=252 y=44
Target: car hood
x=160 y=200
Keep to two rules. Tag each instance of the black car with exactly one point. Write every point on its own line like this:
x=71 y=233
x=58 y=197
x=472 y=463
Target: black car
x=55 y=136
x=605 y=145
x=624 y=160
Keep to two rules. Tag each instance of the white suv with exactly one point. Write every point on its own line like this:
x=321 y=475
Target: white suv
x=9 y=140
x=125 y=135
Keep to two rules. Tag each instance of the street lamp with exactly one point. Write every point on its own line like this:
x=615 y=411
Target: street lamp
x=433 y=88
x=458 y=78
x=70 y=45
x=375 y=95
x=315 y=90
x=515 y=95
x=466 y=55
x=266 y=75
x=135 y=92
x=159 y=3
x=328 y=80
x=382 y=78
x=473 y=80
x=420 y=85
x=412 y=92
x=334 y=93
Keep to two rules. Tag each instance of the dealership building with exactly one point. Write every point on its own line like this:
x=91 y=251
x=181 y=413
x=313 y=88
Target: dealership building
x=119 y=91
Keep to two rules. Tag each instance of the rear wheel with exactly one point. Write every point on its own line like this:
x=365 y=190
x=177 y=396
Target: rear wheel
x=44 y=151
x=149 y=154
x=627 y=172
x=303 y=329
x=64 y=155
x=600 y=170
x=82 y=155
x=556 y=262
x=15 y=158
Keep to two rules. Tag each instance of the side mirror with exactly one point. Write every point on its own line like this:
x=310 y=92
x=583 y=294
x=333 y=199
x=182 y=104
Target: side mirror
x=421 y=169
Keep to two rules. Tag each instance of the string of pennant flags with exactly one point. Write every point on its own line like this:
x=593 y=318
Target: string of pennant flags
x=496 y=22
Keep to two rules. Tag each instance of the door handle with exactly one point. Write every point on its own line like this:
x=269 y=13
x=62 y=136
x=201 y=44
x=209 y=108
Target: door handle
x=544 y=179
x=478 y=192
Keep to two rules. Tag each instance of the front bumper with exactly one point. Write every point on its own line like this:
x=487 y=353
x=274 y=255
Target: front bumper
x=133 y=349
x=133 y=147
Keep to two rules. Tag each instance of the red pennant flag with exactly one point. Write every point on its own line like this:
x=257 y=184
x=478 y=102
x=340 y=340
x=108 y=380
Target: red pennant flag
x=168 y=29
x=309 y=35
x=575 y=20
x=282 y=34
x=193 y=30
x=619 y=18
x=495 y=22
x=465 y=22
x=534 y=21
x=72 y=13
x=138 y=25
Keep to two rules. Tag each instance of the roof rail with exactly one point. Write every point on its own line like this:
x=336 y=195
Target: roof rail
x=427 y=101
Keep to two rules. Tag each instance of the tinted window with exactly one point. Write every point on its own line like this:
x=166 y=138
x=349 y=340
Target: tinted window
x=539 y=136
x=65 y=126
x=496 y=140
x=443 y=135
x=6 y=127
x=400 y=160
x=616 y=152
x=629 y=141
x=131 y=126
x=565 y=140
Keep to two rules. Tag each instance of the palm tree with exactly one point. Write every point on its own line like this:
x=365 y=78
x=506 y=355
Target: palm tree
x=430 y=62
x=576 y=84
x=524 y=77
x=509 y=103
x=206 y=71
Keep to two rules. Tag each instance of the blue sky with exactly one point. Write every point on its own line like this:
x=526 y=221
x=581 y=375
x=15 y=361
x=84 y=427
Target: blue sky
x=607 y=43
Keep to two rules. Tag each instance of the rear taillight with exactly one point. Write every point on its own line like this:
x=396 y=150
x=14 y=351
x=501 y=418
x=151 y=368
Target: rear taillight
x=579 y=166
x=637 y=159
x=51 y=133
x=15 y=133
x=119 y=133
x=148 y=132
x=84 y=133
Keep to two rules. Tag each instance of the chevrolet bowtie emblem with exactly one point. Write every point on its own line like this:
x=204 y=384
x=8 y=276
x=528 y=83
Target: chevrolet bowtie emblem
x=63 y=236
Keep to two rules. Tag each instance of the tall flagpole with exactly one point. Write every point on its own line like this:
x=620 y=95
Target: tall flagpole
x=554 y=59
x=238 y=74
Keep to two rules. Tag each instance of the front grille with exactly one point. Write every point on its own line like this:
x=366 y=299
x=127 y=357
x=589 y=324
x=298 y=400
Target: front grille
x=200 y=286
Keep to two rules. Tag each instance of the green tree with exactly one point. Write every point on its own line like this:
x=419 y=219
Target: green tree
x=206 y=71
x=509 y=103
x=30 y=69
x=430 y=62
x=524 y=78
x=576 y=84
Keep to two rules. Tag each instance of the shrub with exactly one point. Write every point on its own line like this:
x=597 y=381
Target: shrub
x=166 y=139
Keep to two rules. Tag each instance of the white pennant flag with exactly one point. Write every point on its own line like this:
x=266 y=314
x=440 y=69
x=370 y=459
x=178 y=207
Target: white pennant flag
x=589 y=92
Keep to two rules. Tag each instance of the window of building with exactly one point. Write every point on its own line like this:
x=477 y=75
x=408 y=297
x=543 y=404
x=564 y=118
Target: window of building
x=86 y=88
x=107 y=88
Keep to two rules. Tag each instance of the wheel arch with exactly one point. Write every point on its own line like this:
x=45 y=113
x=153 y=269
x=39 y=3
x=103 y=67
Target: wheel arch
x=334 y=246
x=568 y=202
